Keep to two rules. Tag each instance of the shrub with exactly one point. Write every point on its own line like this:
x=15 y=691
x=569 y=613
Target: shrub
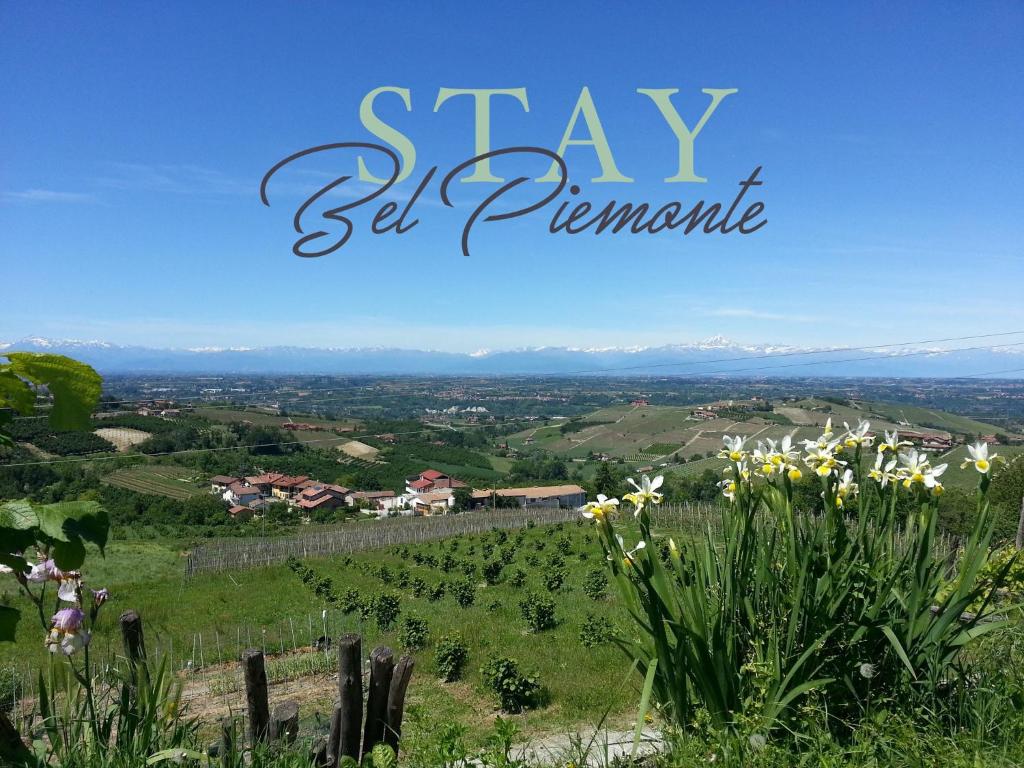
x=448 y=563
x=538 y=611
x=554 y=578
x=515 y=690
x=386 y=607
x=463 y=591
x=595 y=631
x=845 y=602
x=450 y=657
x=469 y=570
x=418 y=586
x=492 y=571
x=436 y=592
x=564 y=544
x=517 y=578
x=351 y=600
x=412 y=632
x=595 y=583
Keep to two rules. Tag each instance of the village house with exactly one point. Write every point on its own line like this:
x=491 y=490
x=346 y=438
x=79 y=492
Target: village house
x=241 y=495
x=541 y=496
x=220 y=483
x=316 y=496
x=431 y=480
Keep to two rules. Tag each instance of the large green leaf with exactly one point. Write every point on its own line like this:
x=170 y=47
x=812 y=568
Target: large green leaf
x=18 y=521
x=75 y=520
x=15 y=393
x=9 y=618
x=75 y=386
x=69 y=555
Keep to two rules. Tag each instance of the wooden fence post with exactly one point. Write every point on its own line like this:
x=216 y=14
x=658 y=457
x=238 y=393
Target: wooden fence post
x=333 y=754
x=134 y=641
x=284 y=725
x=227 y=742
x=256 y=695
x=350 y=697
x=382 y=665
x=396 y=700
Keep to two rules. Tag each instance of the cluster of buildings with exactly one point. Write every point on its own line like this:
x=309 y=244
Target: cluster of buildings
x=430 y=492
x=254 y=493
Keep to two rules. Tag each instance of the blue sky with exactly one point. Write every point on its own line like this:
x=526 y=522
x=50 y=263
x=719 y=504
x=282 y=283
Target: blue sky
x=135 y=135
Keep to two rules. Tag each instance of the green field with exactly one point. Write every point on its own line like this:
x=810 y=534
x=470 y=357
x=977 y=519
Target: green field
x=209 y=619
x=261 y=418
x=160 y=480
x=656 y=433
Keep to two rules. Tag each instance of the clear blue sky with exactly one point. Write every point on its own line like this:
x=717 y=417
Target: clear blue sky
x=134 y=137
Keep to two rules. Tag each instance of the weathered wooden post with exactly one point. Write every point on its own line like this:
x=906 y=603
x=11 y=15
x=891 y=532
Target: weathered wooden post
x=256 y=695
x=332 y=750
x=284 y=725
x=396 y=701
x=227 y=742
x=134 y=641
x=350 y=698
x=382 y=665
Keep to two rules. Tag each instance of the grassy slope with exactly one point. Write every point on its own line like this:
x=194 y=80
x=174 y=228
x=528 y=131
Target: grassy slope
x=582 y=683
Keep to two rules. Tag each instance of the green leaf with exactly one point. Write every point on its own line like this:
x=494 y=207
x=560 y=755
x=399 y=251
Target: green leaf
x=645 y=701
x=383 y=756
x=18 y=524
x=9 y=618
x=15 y=393
x=75 y=386
x=69 y=555
x=15 y=562
x=73 y=520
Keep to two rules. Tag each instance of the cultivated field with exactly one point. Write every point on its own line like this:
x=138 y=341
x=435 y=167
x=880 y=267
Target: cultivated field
x=358 y=450
x=655 y=434
x=158 y=479
x=323 y=437
x=122 y=437
x=201 y=624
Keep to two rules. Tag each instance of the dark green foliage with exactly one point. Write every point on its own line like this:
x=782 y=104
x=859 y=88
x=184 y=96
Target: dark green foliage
x=515 y=690
x=595 y=631
x=538 y=611
x=450 y=657
x=436 y=592
x=492 y=571
x=386 y=607
x=412 y=632
x=554 y=579
x=595 y=583
x=517 y=578
x=463 y=592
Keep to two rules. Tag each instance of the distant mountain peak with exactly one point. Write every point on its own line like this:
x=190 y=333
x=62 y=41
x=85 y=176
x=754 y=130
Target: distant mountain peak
x=715 y=355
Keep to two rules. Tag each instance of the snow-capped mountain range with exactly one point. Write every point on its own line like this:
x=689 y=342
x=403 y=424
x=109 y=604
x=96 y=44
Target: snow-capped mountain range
x=712 y=356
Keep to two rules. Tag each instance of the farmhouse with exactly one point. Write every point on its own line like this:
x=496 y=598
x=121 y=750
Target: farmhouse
x=286 y=486
x=241 y=495
x=322 y=497
x=220 y=483
x=376 y=500
x=431 y=480
x=545 y=495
